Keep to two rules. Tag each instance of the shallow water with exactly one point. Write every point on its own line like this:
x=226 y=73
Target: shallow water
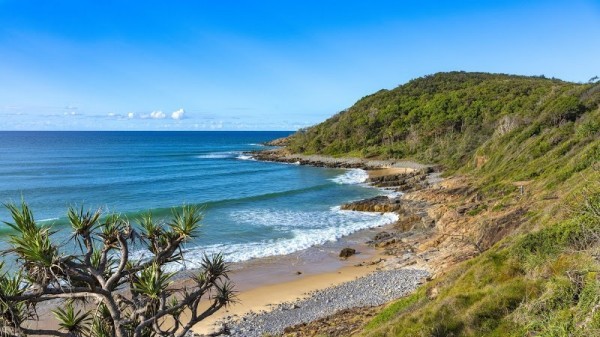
x=252 y=209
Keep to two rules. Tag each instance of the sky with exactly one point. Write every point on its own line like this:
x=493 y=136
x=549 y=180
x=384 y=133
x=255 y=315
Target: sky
x=263 y=65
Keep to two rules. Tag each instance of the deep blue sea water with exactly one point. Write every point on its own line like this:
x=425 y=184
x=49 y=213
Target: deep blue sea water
x=253 y=209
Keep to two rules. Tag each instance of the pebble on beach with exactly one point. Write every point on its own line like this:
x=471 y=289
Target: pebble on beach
x=372 y=290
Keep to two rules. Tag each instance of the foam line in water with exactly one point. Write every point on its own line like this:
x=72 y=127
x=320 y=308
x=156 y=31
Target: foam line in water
x=245 y=157
x=307 y=229
x=218 y=155
x=352 y=177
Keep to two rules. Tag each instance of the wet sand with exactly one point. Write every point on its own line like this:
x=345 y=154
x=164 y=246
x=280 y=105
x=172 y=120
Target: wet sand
x=266 y=282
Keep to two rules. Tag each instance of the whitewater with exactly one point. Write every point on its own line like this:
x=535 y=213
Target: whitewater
x=252 y=209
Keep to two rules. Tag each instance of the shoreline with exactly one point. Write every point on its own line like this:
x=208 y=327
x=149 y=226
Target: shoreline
x=267 y=284
x=281 y=155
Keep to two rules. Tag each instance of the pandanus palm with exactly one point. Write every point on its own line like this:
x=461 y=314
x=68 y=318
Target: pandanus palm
x=99 y=289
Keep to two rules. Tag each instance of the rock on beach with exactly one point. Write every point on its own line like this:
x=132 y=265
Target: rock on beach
x=374 y=289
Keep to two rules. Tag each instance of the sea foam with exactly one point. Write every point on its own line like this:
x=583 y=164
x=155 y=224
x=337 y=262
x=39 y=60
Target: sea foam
x=218 y=155
x=307 y=228
x=352 y=177
x=226 y=155
x=245 y=157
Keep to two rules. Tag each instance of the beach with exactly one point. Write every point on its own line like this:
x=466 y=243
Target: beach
x=282 y=291
x=432 y=234
x=282 y=236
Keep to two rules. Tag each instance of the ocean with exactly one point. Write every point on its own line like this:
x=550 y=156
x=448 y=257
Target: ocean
x=252 y=209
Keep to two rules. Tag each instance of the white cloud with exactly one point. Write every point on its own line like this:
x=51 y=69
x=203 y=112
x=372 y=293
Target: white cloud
x=157 y=114
x=131 y=115
x=178 y=114
x=216 y=125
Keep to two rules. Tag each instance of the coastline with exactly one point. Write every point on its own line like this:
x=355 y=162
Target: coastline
x=434 y=232
x=266 y=283
x=269 y=284
x=281 y=155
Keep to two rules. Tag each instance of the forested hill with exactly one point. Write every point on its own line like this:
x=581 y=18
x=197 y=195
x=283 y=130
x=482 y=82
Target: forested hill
x=443 y=118
x=496 y=132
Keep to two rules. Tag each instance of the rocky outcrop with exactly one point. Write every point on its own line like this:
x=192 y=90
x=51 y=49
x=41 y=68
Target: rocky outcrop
x=404 y=182
x=347 y=252
x=283 y=156
x=376 y=204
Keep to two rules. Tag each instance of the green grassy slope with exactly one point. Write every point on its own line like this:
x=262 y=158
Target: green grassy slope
x=495 y=130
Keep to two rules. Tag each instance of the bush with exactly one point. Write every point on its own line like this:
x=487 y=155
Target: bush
x=90 y=283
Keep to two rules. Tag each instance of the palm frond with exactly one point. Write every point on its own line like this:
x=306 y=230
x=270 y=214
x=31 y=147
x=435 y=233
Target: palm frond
x=32 y=244
x=186 y=222
x=225 y=293
x=215 y=267
x=74 y=322
x=152 y=281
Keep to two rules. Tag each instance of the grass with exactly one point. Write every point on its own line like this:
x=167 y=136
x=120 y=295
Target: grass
x=543 y=283
x=496 y=130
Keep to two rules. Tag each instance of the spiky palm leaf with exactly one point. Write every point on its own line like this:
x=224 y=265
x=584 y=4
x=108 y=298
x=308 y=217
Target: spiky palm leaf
x=113 y=226
x=214 y=267
x=152 y=233
x=225 y=293
x=152 y=281
x=32 y=244
x=82 y=222
x=12 y=313
x=186 y=222
x=100 y=329
x=76 y=323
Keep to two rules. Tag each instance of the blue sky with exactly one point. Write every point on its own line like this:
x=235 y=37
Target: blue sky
x=263 y=65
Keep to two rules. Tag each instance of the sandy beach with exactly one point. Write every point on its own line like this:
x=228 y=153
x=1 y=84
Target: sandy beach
x=280 y=289
x=265 y=284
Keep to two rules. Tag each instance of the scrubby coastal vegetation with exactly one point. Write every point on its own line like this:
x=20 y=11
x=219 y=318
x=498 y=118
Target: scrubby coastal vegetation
x=500 y=212
x=100 y=290
x=528 y=145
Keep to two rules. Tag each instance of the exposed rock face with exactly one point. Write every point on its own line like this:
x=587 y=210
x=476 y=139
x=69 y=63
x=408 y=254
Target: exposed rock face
x=376 y=204
x=382 y=236
x=347 y=252
x=405 y=182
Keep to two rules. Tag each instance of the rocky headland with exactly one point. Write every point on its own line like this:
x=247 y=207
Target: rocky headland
x=282 y=155
x=439 y=225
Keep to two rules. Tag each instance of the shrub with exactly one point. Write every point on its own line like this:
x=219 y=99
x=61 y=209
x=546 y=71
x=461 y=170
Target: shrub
x=90 y=283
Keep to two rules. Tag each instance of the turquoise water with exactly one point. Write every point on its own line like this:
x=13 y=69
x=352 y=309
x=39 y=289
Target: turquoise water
x=253 y=209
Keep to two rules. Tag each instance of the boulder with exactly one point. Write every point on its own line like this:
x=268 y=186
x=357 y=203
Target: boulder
x=382 y=236
x=347 y=252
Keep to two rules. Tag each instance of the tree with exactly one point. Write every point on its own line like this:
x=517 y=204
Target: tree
x=100 y=291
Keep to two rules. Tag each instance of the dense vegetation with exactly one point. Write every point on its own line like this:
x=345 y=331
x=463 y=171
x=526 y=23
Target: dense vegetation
x=444 y=118
x=495 y=130
x=100 y=290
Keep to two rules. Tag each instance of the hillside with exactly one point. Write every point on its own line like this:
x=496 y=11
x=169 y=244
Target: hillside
x=497 y=133
x=443 y=118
